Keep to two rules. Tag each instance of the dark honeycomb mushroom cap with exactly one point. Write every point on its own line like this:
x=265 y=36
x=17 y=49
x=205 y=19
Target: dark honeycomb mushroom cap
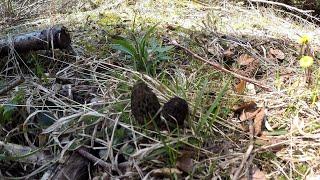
x=175 y=111
x=144 y=104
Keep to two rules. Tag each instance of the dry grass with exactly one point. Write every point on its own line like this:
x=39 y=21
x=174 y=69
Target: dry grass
x=94 y=110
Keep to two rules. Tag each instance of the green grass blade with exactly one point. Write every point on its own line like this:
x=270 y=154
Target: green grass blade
x=199 y=97
x=213 y=106
x=143 y=42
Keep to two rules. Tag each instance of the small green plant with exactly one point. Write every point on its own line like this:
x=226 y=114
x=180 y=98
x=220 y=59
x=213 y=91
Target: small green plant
x=306 y=60
x=146 y=52
x=37 y=66
x=7 y=110
x=315 y=91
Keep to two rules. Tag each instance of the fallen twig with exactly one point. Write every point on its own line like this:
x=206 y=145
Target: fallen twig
x=98 y=161
x=94 y=159
x=248 y=152
x=11 y=85
x=220 y=68
x=283 y=5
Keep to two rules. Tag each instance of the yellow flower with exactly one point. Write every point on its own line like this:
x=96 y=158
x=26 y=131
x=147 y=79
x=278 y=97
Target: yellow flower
x=304 y=39
x=306 y=61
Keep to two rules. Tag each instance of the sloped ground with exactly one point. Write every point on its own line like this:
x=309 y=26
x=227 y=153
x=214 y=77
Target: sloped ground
x=89 y=94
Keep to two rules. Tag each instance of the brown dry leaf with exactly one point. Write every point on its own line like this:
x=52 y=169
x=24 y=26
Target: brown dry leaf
x=245 y=60
x=276 y=53
x=256 y=175
x=244 y=107
x=171 y=27
x=185 y=163
x=275 y=144
x=258 y=121
x=251 y=65
x=165 y=172
x=252 y=68
x=228 y=53
x=249 y=114
x=240 y=87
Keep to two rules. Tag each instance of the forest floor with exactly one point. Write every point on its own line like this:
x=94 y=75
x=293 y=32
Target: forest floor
x=264 y=126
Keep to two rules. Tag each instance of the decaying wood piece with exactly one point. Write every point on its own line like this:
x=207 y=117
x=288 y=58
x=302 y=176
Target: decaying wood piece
x=75 y=167
x=39 y=40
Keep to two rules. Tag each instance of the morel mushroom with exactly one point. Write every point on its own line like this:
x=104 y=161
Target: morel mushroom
x=144 y=104
x=175 y=111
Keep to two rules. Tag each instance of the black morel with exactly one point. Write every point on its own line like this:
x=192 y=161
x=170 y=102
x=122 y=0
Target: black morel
x=144 y=104
x=175 y=111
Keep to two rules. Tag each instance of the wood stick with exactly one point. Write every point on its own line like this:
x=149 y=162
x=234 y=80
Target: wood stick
x=218 y=67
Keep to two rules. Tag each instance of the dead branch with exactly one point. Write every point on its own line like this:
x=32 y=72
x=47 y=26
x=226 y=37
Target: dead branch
x=218 y=67
x=283 y=5
x=291 y=8
x=95 y=160
x=55 y=37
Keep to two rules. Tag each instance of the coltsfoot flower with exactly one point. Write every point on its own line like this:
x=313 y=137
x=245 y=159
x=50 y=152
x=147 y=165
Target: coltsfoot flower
x=304 y=39
x=306 y=61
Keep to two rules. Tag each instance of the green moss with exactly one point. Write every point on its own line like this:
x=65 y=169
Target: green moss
x=302 y=168
x=108 y=19
x=89 y=119
x=120 y=107
x=240 y=25
x=282 y=177
x=266 y=156
x=119 y=135
x=149 y=20
x=312 y=127
x=89 y=47
x=291 y=109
